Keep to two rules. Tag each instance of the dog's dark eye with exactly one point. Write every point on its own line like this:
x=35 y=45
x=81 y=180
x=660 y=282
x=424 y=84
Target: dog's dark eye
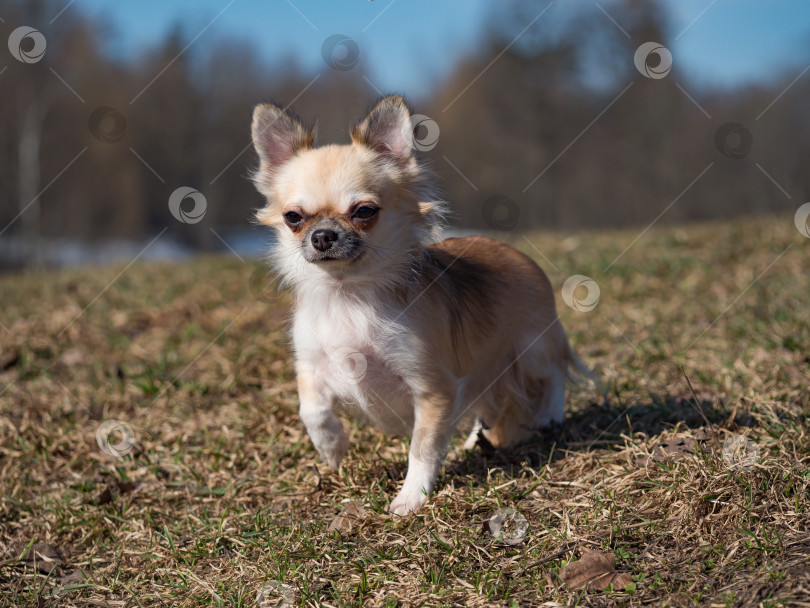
x=365 y=212
x=292 y=218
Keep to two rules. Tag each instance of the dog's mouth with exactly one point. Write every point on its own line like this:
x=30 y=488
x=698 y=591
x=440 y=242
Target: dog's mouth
x=344 y=256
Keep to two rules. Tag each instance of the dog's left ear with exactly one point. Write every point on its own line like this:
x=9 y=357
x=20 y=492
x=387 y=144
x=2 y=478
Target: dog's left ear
x=387 y=129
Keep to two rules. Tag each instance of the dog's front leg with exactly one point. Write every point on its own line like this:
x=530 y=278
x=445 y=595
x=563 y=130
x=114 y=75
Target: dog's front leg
x=431 y=436
x=317 y=412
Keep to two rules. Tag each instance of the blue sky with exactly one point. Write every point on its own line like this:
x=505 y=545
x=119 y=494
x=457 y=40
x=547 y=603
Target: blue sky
x=409 y=45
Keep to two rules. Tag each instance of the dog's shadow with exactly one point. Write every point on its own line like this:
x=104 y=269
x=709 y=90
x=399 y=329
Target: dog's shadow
x=597 y=426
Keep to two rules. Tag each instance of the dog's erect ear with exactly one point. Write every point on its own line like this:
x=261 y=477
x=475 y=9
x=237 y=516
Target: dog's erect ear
x=278 y=135
x=387 y=129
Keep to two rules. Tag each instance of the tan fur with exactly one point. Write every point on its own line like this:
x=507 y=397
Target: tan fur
x=462 y=328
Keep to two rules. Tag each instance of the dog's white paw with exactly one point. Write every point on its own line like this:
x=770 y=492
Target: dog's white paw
x=406 y=502
x=472 y=439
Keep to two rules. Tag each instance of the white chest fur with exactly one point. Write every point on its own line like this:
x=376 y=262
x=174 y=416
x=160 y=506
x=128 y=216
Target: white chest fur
x=357 y=350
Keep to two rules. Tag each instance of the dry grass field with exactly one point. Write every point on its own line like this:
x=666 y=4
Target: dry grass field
x=651 y=493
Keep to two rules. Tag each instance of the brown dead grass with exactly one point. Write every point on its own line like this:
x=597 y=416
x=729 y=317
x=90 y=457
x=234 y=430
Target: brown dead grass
x=222 y=501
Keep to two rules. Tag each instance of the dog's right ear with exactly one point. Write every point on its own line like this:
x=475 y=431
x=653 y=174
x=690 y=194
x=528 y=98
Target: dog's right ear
x=278 y=135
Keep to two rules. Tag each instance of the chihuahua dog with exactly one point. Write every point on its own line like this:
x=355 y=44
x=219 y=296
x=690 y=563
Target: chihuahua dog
x=414 y=333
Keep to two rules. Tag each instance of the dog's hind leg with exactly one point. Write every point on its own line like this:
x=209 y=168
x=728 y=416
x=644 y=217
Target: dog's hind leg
x=552 y=401
x=522 y=414
x=511 y=425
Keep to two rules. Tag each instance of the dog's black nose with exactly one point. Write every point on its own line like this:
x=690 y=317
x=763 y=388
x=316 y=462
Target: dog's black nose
x=323 y=239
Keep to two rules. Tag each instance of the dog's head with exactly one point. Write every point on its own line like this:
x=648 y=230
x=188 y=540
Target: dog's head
x=352 y=212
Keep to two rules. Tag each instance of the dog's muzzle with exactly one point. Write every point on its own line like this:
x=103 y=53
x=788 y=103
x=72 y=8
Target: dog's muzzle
x=329 y=241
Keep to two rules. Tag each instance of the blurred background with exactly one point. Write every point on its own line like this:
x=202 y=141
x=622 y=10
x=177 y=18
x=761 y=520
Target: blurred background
x=535 y=115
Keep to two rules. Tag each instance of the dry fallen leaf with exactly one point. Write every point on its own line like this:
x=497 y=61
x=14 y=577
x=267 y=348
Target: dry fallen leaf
x=594 y=570
x=77 y=576
x=45 y=555
x=348 y=516
x=678 y=448
x=111 y=491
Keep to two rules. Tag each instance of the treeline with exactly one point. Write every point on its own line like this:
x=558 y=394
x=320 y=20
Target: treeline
x=574 y=135
x=106 y=142
x=542 y=131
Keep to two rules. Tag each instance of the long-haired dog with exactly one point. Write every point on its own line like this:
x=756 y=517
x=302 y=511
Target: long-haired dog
x=414 y=333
